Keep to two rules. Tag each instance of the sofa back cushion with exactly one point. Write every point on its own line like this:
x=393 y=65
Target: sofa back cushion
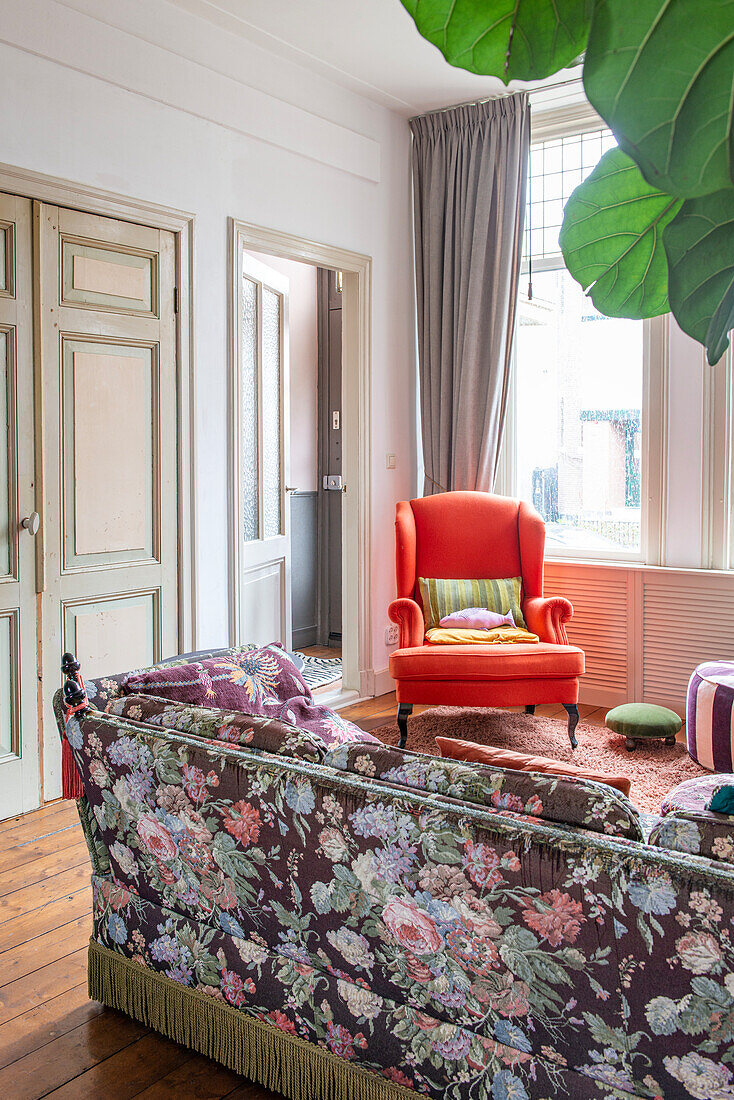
x=231 y=727
x=564 y=800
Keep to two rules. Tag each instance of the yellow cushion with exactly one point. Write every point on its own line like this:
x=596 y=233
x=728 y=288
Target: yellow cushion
x=445 y=635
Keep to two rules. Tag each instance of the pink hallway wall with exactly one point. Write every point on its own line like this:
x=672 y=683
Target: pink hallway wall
x=304 y=351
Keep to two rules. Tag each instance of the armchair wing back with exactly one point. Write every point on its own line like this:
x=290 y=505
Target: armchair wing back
x=468 y=535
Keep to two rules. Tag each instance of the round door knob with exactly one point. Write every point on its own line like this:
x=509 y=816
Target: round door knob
x=31 y=523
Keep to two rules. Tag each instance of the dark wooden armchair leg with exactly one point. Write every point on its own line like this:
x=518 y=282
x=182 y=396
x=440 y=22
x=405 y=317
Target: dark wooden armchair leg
x=404 y=712
x=573 y=721
x=530 y=708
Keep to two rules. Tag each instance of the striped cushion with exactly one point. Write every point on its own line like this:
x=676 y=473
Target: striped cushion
x=710 y=716
x=442 y=597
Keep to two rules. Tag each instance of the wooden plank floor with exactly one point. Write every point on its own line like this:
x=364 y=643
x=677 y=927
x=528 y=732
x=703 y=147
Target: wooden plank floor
x=53 y=1040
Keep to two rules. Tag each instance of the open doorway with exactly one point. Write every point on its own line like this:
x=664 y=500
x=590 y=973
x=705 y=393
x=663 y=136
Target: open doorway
x=300 y=533
x=312 y=384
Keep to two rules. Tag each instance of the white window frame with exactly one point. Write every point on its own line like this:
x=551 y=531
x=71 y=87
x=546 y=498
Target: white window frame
x=717 y=481
x=653 y=427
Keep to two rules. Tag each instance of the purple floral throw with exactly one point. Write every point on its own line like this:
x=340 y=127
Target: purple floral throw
x=262 y=682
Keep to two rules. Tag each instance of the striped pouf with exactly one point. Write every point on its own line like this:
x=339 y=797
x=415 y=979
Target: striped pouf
x=709 y=713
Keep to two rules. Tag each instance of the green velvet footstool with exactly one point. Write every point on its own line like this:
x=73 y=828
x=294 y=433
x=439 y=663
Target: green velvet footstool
x=642 y=721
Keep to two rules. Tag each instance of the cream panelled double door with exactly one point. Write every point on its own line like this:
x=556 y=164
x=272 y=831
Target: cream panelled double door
x=87 y=347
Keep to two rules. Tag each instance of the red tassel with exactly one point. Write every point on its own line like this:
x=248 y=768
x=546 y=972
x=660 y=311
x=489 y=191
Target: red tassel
x=71 y=781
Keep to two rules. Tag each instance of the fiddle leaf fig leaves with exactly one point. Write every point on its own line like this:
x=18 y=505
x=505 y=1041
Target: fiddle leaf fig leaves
x=611 y=239
x=660 y=73
x=699 y=244
x=652 y=228
x=510 y=39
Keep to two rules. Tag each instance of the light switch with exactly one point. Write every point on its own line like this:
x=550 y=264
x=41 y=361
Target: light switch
x=390 y=462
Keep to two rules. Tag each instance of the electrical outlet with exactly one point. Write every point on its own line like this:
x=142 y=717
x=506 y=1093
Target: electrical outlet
x=391 y=634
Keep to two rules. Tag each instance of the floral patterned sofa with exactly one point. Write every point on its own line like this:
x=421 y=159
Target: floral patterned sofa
x=369 y=923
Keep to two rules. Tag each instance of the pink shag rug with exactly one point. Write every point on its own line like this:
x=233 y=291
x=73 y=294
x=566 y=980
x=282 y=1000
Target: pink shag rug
x=654 y=768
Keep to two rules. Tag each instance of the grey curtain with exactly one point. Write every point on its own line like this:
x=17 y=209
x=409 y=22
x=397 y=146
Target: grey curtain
x=470 y=168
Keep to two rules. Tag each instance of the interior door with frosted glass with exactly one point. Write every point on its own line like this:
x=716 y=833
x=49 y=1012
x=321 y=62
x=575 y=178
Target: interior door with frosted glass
x=264 y=512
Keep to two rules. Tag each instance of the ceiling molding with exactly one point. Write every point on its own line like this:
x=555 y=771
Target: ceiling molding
x=51 y=30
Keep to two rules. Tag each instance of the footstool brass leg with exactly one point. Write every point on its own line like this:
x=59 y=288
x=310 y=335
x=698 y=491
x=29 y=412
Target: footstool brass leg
x=404 y=712
x=573 y=721
x=630 y=744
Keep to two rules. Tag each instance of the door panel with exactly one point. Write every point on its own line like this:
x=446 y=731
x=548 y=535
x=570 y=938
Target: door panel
x=109 y=406
x=7 y=247
x=264 y=611
x=262 y=594
x=19 y=743
x=108 y=278
x=107 y=293
x=7 y=433
x=116 y=633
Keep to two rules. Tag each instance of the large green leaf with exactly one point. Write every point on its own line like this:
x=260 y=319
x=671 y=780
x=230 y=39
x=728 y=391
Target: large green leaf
x=660 y=73
x=510 y=39
x=699 y=244
x=611 y=239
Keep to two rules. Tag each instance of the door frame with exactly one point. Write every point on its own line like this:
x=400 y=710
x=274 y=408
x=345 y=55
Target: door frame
x=55 y=191
x=325 y=409
x=356 y=412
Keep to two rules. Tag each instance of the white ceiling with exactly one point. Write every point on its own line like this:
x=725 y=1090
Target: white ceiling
x=369 y=46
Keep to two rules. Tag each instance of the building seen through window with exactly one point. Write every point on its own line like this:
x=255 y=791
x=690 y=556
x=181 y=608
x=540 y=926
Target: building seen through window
x=578 y=382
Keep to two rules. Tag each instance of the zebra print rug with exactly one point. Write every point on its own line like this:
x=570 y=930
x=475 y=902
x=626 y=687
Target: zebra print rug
x=319 y=671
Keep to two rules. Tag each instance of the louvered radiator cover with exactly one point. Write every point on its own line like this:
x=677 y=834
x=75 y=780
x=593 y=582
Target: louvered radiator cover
x=644 y=629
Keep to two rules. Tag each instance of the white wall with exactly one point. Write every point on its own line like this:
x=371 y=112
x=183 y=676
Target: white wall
x=303 y=345
x=151 y=102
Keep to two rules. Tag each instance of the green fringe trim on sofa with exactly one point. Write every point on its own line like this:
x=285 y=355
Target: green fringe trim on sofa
x=252 y=1048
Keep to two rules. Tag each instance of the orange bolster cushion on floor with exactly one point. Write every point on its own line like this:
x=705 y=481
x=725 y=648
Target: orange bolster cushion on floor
x=520 y=762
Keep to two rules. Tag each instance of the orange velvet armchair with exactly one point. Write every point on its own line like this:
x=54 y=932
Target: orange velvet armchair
x=479 y=536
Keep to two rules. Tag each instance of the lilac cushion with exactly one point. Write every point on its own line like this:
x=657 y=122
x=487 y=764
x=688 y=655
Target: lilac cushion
x=477 y=618
x=261 y=682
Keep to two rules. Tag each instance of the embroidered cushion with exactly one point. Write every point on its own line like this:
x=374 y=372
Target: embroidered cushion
x=441 y=597
x=245 y=681
x=104 y=688
x=231 y=727
x=688 y=825
x=261 y=682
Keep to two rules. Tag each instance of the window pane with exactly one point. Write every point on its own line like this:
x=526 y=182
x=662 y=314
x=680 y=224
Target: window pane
x=556 y=168
x=272 y=441
x=579 y=400
x=248 y=399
